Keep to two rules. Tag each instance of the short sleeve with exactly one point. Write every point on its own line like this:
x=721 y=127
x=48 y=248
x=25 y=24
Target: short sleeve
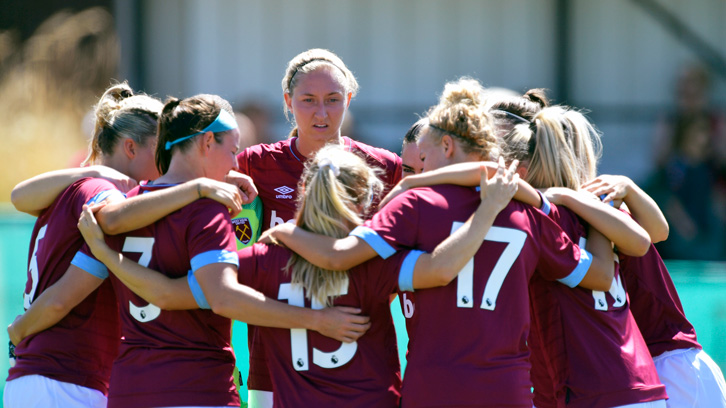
x=209 y=236
x=396 y=224
x=85 y=260
x=560 y=258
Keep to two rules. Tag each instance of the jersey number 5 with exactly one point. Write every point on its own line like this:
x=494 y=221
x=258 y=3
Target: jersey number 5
x=144 y=246
x=299 y=337
x=465 y=281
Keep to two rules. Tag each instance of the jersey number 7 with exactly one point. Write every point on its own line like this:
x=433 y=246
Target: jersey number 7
x=465 y=281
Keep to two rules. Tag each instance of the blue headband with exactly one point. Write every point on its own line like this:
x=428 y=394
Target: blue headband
x=224 y=122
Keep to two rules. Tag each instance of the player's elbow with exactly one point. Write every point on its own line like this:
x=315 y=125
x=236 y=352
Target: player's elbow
x=637 y=247
x=110 y=224
x=60 y=306
x=661 y=234
x=221 y=306
x=22 y=204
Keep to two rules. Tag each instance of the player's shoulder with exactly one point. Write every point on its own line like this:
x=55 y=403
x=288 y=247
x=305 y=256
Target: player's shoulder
x=385 y=157
x=266 y=150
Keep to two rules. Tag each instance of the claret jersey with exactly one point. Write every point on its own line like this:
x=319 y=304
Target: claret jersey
x=80 y=348
x=467 y=340
x=310 y=370
x=174 y=357
x=587 y=349
x=276 y=170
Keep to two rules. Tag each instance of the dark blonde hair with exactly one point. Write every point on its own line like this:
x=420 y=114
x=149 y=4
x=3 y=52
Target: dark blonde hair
x=183 y=117
x=121 y=114
x=336 y=187
x=461 y=114
x=561 y=145
x=309 y=61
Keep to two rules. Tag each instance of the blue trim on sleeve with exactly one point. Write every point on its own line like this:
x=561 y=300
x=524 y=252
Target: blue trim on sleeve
x=103 y=195
x=405 y=276
x=214 y=256
x=90 y=265
x=197 y=291
x=574 y=278
x=602 y=197
x=376 y=242
x=546 y=206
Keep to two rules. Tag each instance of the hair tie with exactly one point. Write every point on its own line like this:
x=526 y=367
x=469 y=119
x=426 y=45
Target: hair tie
x=326 y=162
x=512 y=115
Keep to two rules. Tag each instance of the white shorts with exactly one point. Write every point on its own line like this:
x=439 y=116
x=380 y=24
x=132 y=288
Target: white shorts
x=650 y=404
x=259 y=399
x=692 y=379
x=38 y=391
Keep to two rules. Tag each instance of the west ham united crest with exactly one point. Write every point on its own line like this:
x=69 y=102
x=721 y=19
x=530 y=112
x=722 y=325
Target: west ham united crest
x=242 y=229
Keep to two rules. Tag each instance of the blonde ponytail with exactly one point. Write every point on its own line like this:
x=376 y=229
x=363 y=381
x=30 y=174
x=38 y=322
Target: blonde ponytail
x=337 y=186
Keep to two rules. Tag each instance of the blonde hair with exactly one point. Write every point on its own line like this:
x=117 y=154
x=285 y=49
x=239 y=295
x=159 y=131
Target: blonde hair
x=461 y=114
x=336 y=187
x=562 y=146
x=121 y=114
x=309 y=61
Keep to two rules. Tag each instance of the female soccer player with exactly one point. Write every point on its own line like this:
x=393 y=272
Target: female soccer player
x=317 y=89
x=338 y=187
x=465 y=365
x=690 y=376
x=68 y=338
x=183 y=357
x=559 y=149
x=410 y=156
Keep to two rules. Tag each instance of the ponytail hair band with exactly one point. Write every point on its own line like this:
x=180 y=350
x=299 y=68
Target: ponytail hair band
x=326 y=162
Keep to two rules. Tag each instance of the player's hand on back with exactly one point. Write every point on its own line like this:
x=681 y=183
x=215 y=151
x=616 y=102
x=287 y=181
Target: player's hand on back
x=91 y=231
x=609 y=188
x=343 y=323
x=273 y=236
x=500 y=188
x=247 y=187
x=227 y=194
x=121 y=181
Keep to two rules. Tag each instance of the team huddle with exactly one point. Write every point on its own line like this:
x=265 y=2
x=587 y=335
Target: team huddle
x=526 y=279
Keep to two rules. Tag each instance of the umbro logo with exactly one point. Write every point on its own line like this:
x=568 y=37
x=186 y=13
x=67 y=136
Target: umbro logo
x=284 y=192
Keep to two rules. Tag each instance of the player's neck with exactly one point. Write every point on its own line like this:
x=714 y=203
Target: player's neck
x=181 y=169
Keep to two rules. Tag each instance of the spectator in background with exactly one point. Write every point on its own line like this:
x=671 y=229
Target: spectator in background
x=690 y=176
x=259 y=114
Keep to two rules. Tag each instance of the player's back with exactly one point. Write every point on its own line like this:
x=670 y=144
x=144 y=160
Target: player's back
x=314 y=370
x=467 y=340
x=652 y=293
x=177 y=357
x=591 y=346
x=80 y=348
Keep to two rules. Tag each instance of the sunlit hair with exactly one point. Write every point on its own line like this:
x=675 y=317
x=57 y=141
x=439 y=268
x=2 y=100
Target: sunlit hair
x=461 y=114
x=413 y=132
x=329 y=205
x=183 y=117
x=121 y=114
x=309 y=61
x=511 y=110
x=561 y=146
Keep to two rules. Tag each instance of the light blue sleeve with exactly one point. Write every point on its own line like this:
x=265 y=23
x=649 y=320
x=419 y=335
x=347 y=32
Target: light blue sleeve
x=405 y=276
x=214 y=256
x=574 y=278
x=104 y=195
x=546 y=206
x=197 y=291
x=376 y=242
x=90 y=265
